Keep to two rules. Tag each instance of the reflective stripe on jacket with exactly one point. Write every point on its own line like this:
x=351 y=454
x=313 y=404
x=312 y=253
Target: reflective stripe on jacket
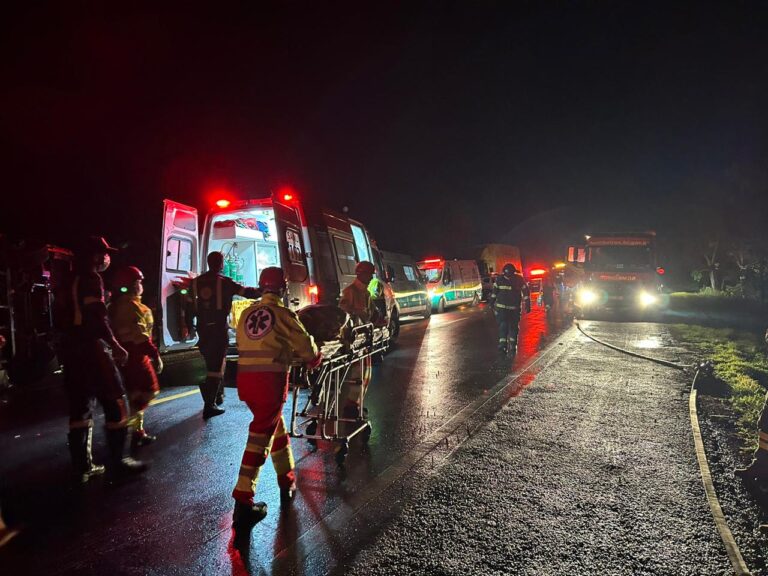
x=510 y=292
x=270 y=336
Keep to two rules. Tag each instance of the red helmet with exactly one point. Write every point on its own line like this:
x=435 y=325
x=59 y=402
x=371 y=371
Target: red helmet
x=272 y=279
x=364 y=267
x=125 y=277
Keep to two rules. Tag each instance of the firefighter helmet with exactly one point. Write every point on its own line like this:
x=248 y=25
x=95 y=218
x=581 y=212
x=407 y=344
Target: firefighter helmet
x=364 y=267
x=272 y=279
x=509 y=269
x=125 y=277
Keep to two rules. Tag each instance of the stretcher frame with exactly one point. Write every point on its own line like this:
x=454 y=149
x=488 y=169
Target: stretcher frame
x=317 y=416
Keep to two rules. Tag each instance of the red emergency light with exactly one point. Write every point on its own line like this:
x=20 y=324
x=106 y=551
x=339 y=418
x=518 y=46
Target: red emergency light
x=433 y=261
x=223 y=203
x=660 y=271
x=537 y=272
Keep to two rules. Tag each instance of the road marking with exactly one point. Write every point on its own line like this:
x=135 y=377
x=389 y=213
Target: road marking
x=157 y=401
x=340 y=517
x=732 y=549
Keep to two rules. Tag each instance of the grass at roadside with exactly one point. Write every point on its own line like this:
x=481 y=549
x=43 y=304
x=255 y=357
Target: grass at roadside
x=741 y=364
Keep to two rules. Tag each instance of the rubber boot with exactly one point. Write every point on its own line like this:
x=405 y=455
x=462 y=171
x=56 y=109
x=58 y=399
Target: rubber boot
x=220 y=393
x=757 y=470
x=247 y=515
x=80 y=442
x=121 y=466
x=208 y=390
x=287 y=493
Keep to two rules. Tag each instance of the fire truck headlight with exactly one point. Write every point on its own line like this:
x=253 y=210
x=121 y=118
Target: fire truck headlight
x=647 y=299
x=585 y=297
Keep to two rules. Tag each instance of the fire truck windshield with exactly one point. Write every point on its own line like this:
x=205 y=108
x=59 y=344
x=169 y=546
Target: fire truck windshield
x=620 y=257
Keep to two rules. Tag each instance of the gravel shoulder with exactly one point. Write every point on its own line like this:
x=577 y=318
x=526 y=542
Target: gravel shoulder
x=591 y=470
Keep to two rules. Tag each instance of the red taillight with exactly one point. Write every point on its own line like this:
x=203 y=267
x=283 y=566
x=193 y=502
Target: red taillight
x=538 y=272
x=314 y=294
x=660 y=271
x=223 y=203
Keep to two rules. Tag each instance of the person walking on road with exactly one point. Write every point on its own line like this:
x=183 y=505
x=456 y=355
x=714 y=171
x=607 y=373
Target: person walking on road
x=510 y=293
x=132 y=323
x=89 y=354
x=269 y=338
x=357 y=302
x=211 y=299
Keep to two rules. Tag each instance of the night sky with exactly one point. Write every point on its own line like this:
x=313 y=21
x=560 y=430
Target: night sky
x=439 y=125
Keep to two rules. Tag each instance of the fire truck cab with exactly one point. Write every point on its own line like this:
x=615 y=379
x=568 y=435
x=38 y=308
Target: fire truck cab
x=617 y=272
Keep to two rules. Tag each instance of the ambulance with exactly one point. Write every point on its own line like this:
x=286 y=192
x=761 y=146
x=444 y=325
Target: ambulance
x=451 y=282
x=317 y=255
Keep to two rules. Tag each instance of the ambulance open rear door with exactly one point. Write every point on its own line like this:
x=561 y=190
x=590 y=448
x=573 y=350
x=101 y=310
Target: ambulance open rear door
x=292 y=253
x=179 y=263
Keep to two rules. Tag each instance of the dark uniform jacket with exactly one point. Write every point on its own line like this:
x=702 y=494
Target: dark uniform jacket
x=510 y=293
x=212 y=298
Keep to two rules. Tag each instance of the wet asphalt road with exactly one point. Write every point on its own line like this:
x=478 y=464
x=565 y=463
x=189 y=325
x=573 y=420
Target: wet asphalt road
x=176 y=519
x=590 y=470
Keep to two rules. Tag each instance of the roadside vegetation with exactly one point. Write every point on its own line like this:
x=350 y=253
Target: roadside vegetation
x=741 y=366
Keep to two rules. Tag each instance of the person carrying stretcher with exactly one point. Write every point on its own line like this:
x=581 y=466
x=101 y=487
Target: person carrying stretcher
x=357 y=302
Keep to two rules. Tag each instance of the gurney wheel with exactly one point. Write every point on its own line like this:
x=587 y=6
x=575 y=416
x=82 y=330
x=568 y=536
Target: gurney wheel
x=311 y=431
x=366 y=434
x=341 y=453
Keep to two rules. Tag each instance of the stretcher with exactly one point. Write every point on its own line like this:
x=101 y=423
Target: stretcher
x=316 y=412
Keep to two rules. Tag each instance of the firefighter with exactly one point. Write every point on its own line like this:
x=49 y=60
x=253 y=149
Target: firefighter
x=269 y=338
x=510 y=293
x=357 y=302
x=132 y=323
x=757 y=470
x=211 y=299
x=89 y=355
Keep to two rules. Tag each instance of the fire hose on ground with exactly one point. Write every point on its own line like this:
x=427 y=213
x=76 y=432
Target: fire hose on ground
x=731 y=548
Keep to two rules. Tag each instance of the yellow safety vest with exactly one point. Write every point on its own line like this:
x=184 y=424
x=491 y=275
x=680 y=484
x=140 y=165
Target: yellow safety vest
x=270 y=337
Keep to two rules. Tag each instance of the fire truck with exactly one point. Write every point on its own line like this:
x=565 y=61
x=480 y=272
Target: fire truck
x=616 y=272
x=317 y=251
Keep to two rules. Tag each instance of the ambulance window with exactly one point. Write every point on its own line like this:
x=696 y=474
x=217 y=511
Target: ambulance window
x=178 y=254
x=185 y=220
x=345 y=253
x=293 y=241
x=410 y=273
x=361 y=243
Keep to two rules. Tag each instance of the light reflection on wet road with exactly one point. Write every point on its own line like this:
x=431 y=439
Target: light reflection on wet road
x=176 y=520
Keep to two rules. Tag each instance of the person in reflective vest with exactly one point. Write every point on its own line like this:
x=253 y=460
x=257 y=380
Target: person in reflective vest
x=211 y=297
x=270 y=337
x=510 y=294
x=132 y=323
x=89 y=355
x=357 y=302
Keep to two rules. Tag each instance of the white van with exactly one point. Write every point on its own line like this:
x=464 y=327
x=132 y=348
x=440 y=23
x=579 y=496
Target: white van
x=318 y=257
x=408 y=285
x=451 y=282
